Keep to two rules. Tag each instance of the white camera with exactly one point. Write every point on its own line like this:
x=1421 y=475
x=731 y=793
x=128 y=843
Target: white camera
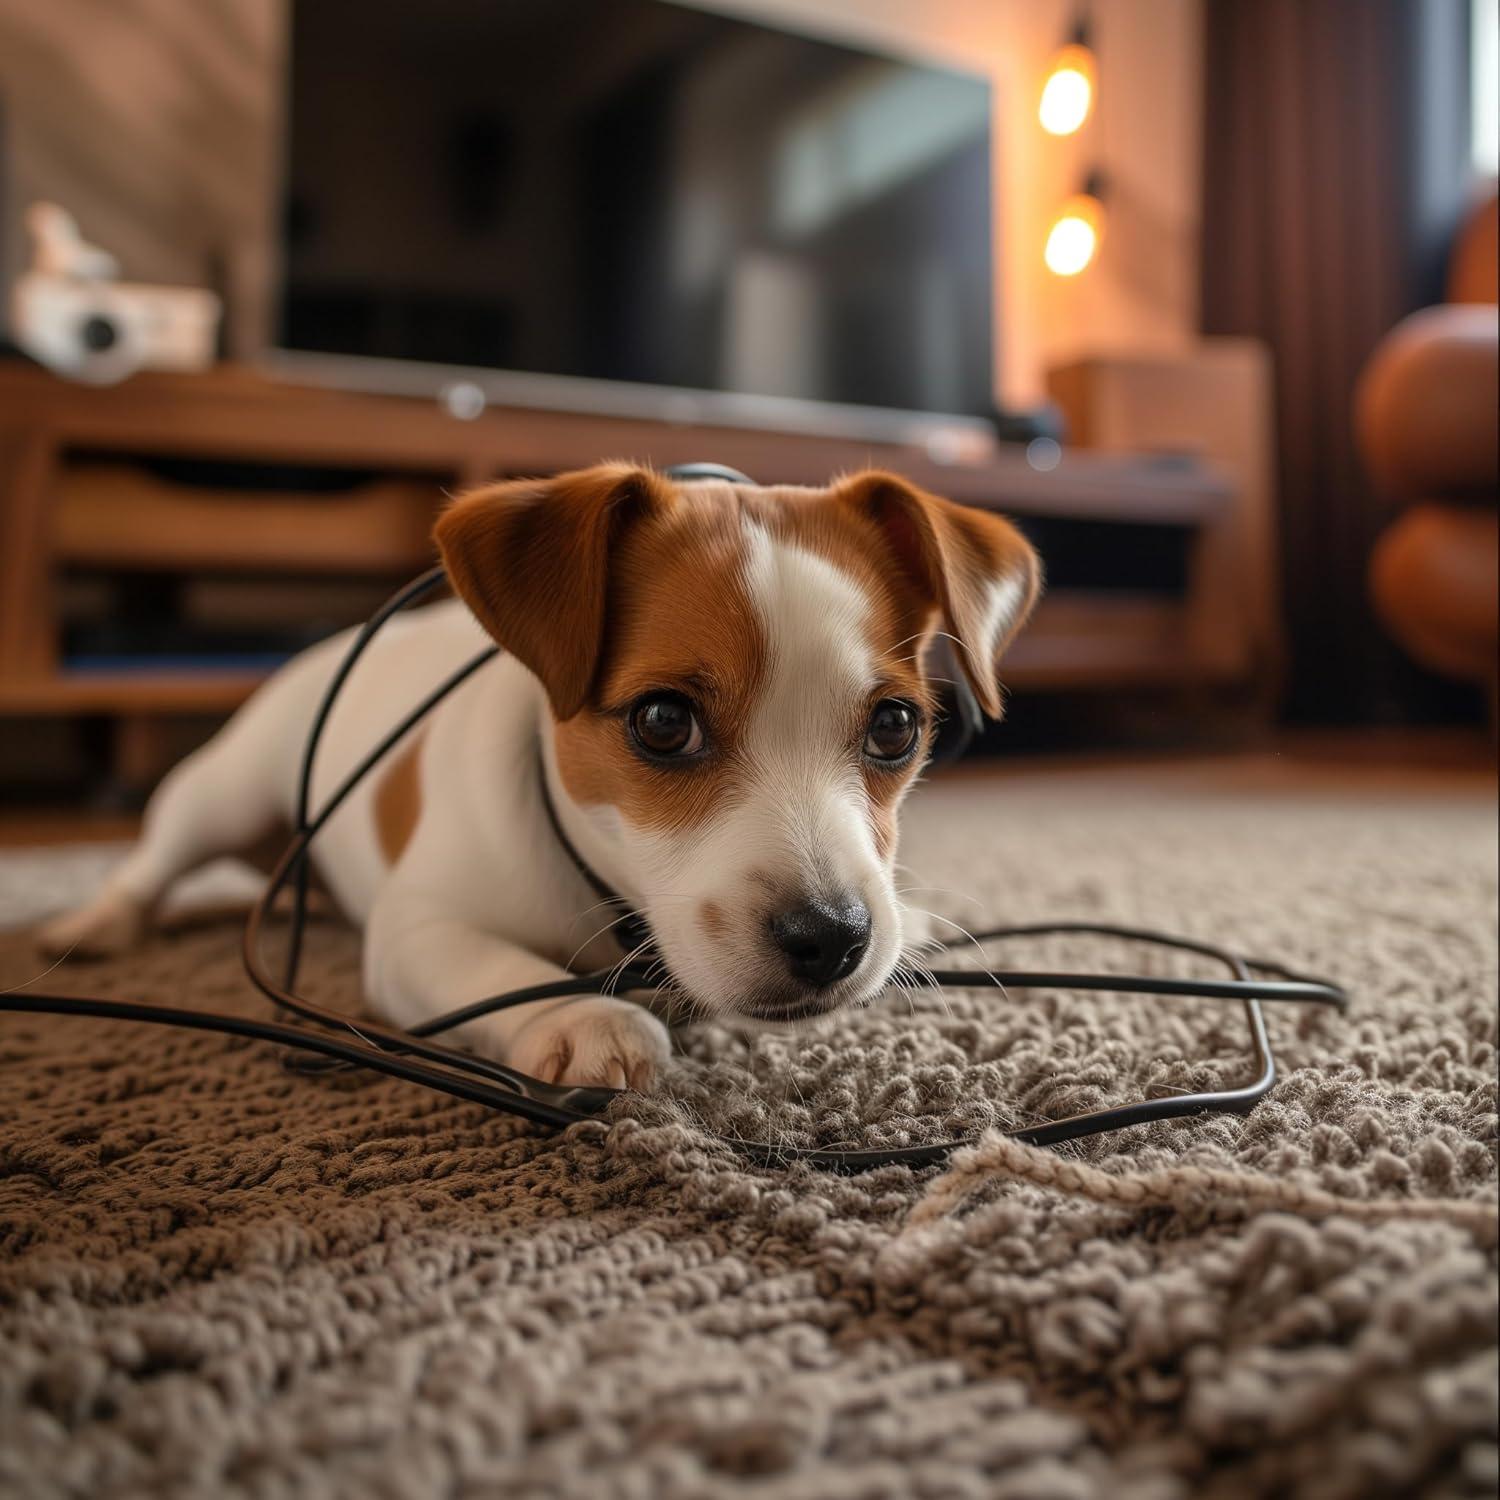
x=68 y=314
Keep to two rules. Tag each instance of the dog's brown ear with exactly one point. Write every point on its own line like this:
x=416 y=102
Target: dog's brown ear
x=531 y=559
x=979 y=571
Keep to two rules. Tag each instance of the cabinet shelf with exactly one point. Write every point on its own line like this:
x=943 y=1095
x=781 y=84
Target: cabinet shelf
x=170 y=477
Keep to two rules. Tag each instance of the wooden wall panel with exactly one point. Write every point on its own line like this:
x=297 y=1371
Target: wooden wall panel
x=156 y=123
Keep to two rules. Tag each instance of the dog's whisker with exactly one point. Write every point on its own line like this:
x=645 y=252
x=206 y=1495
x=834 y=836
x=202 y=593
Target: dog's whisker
x=612 y=977
x=597 y=906
x=906 y=990
x=959 y=927
x=939 y=890
x=920 y=974
x=594 y=936
x=58 y=962
x=916 y=635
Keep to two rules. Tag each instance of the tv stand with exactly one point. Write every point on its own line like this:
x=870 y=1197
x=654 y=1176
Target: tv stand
x=83 y=496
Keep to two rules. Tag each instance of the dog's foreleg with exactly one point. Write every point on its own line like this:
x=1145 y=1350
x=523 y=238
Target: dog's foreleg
x=421 y=962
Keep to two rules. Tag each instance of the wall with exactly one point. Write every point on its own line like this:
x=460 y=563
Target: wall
x=161 y=131
x=153 y=121
x=1142 y=293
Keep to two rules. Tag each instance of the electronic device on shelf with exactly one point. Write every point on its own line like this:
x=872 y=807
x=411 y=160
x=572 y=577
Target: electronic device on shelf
x=68 y=311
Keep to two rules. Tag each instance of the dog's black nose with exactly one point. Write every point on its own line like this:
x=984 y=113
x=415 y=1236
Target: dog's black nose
x=823 y=942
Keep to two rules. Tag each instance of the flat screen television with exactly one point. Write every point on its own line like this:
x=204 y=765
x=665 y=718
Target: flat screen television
x=634 y=206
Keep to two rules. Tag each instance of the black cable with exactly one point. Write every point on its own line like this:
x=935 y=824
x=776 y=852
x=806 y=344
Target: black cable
x=418 y=588
x=556 y=1106
x=515 y=1102
x=410 y=1055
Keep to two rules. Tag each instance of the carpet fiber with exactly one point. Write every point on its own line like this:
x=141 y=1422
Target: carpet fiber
x=216 y=1278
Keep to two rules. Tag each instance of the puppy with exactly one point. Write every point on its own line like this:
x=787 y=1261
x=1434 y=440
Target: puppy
x=720 y=686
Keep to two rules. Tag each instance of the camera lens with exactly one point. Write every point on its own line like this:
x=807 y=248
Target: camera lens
x=98 y=333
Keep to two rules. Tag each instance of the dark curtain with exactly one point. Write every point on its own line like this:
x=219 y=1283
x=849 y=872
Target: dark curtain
x=1335 y=172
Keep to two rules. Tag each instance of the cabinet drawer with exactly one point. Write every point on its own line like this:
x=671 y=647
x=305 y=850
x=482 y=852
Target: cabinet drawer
x=118 y=515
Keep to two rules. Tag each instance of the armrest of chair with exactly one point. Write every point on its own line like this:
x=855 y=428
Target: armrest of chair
x=1426 y=402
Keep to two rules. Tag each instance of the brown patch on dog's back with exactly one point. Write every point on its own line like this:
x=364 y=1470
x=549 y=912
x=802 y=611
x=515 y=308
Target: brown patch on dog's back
x=398 y=800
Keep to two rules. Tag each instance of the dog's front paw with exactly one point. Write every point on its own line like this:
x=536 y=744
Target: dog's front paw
x=592 y=1040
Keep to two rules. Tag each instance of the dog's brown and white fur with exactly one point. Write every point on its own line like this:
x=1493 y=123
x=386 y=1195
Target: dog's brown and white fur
x=780 y=617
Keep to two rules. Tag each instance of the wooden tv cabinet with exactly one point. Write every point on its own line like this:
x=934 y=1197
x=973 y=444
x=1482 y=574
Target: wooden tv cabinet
x=76 y=494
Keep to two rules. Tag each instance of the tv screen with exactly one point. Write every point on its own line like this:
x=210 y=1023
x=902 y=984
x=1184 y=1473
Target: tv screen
x=638 y=191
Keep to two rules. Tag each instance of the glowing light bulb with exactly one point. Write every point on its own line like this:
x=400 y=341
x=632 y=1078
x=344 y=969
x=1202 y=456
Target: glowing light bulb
x=1068 y=93
x=1070 y=245
x=1074 y=236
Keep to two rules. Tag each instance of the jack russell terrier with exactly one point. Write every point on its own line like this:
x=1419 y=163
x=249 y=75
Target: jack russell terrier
x=723 y=687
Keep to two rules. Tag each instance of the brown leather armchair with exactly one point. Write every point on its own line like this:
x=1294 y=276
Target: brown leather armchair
x=1425 y=418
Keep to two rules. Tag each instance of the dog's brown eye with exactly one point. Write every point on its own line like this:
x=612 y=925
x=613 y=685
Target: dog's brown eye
x=666 y=725
x=893 y=731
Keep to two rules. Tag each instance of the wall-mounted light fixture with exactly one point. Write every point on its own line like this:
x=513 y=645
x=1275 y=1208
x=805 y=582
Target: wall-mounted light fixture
x=1068 y=93
x=1074 y=238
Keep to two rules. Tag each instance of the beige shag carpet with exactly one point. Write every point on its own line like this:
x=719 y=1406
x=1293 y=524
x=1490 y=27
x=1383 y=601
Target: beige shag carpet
x=219 y=1279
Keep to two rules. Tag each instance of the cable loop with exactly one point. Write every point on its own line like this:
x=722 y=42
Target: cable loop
x=413 y=1056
